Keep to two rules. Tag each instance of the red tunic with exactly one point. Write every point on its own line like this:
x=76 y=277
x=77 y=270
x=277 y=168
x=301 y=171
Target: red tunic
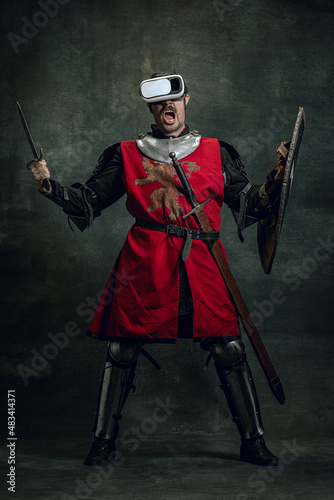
x=141 y=297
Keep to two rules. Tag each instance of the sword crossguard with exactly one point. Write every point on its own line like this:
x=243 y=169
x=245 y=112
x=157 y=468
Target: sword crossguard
x=196 y=209
x=35 y=159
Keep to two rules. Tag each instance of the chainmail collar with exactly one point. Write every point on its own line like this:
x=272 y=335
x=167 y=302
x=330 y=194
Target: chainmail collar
x=159 y=148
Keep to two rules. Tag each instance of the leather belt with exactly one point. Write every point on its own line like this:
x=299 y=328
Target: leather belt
x=180 y=231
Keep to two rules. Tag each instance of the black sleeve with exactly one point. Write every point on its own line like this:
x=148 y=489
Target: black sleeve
x=103 y=188
x=236 y=181
x=106 y=181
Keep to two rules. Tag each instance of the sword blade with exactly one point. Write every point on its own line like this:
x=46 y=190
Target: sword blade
x=27 y=131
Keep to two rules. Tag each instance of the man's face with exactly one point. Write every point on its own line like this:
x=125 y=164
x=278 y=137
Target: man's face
x=170 y=115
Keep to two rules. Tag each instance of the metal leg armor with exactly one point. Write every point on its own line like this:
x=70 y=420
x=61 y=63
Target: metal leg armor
x=116 y=382
x=237 y=383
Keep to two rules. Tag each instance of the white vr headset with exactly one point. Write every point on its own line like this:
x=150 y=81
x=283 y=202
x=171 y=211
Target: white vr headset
x=162 y=88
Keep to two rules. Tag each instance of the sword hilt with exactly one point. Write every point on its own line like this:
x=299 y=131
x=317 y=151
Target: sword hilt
x=188 y=190
x=35 y=159
x=46 y=183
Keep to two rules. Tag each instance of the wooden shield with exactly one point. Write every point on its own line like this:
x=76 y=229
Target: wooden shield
x=269 y=229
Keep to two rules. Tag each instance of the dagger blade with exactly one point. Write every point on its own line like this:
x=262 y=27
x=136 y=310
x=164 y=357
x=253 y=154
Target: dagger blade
x=27 y=131
x=46 y=182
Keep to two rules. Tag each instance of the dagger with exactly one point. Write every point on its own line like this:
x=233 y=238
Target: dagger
x=46 y=182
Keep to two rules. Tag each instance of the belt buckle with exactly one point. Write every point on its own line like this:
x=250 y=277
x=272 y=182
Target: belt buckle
x=173 y=230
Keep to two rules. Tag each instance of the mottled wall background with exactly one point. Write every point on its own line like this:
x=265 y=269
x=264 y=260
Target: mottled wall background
x=75 y=67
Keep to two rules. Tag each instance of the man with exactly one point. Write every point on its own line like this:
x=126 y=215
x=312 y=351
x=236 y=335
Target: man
x=165 y=284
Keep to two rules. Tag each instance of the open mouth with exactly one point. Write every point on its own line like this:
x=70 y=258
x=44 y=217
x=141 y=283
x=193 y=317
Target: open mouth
x=169 y=116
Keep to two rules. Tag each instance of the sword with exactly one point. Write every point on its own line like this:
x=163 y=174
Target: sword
x=203 y=222
x=46 y=182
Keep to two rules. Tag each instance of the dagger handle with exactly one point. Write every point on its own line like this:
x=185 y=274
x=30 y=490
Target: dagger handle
x=46 y=183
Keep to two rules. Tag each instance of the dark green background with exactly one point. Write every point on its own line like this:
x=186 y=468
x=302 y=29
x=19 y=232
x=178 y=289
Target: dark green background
x=244 y=65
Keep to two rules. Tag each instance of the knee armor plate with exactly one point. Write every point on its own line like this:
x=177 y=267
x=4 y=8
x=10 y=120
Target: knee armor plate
x=230 y=354
x=124 y=353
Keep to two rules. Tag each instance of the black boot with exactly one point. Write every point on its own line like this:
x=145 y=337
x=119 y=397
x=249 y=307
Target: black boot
x=102 y=452
x=256 y=452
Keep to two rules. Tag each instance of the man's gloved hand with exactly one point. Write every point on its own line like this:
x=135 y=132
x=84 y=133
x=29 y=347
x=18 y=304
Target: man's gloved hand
x=40 y=172
x=277 y=172
x=270 y=189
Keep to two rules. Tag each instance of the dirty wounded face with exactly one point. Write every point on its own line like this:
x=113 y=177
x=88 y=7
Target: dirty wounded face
x=170 y=115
